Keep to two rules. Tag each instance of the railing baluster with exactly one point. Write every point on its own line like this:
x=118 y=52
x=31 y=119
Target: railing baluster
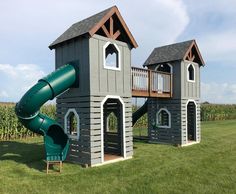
x=152 y=82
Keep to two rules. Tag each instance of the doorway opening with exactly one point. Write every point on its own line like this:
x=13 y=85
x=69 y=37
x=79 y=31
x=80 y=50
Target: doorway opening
x=112 y=129
x=191 y=121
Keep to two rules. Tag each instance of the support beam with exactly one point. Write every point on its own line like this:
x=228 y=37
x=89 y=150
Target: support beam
x=116 y=35
x=106 y=31
x=193 y=57
x=190 y=54
x=111 y=26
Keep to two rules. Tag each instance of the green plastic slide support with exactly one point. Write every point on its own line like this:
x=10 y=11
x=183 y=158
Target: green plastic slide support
x=27 y=110
x=139 y=113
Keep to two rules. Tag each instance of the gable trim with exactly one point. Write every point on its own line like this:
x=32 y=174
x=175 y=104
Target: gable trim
x=114 y=10
x=189 y=51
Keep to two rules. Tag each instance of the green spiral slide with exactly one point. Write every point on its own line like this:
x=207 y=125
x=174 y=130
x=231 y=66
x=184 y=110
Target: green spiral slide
x=27 y=109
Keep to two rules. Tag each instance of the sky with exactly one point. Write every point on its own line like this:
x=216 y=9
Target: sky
x=27 y=27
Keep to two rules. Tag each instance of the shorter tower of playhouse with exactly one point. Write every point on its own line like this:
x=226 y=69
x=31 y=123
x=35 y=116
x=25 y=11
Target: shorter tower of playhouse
x=175 y=119
x=101 y=47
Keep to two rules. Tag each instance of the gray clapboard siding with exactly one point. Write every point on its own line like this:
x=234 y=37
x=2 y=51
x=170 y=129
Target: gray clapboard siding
x=184 y=127
x=190 y=89
x=167 y=135
x=75 y=50
x=177 y=134
x=105 y=81
x=183 y=90
x=95 y=83
x=79 y=149
x=96 y=101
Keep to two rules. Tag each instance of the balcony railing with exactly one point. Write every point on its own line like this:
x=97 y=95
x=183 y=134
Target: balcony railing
x=149 y=83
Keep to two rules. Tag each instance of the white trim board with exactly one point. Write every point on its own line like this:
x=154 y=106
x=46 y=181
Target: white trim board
x=191 y=143
x=169 y=115
x=104 y=57
x=112 y=161
x=194 y=73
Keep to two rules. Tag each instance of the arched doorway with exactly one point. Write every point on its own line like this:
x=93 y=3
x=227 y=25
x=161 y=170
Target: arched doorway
x=161 y=78
x=167 y=68
x=112 y=129
x=191 y=121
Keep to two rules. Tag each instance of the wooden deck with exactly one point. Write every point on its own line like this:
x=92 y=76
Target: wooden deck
x=149 y=83
x=108 y=157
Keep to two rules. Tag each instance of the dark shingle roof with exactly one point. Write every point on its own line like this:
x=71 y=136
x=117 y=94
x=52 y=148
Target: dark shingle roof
x=80 y=28
x=168 y=53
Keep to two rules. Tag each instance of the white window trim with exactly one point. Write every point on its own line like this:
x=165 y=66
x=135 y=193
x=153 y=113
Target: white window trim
x=186 y=106
x=169 y=115
x=104 y=57
x=72 y=110
x=171 y=68
x=194 y=74
x=123 y=129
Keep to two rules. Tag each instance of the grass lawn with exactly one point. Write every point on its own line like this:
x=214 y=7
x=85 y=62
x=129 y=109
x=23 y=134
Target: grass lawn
x=208 y=167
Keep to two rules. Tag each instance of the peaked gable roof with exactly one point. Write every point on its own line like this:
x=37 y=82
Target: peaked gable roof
x=174 y=52
x=91 y=25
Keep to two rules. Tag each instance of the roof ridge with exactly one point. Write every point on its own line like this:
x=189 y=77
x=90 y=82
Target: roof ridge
x=172 y=52
x=175 y=43
x=91 y=25
x=91 y=16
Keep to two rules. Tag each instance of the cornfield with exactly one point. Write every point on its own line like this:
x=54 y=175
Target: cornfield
x=11 y=128
x=216 y=112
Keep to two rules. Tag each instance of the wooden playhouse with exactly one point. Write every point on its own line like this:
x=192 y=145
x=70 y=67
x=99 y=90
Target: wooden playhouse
x=101 y=47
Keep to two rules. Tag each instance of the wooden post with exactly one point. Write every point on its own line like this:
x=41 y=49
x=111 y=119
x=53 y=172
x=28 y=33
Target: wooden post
x=59 y=163
x=106 y=31
x=111 y=27
x=47 y=166
x=171 y=85
x=132 y=79
x=149 y=82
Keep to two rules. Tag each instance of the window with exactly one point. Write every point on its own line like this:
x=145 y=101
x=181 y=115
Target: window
x=112 y=123
x=164 y=68
x=163 y=118
x=111 y=56
x=191 y=73
x=161 y=81
x=72 y=123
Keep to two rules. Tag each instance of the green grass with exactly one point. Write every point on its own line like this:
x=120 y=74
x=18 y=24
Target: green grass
x=208 y=167
x=140 y=131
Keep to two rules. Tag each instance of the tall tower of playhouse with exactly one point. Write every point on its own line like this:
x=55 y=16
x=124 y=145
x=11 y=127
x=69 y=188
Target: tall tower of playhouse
x=101 y=47
x=175 y=118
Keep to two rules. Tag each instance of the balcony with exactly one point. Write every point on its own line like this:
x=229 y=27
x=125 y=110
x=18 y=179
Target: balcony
x=149 y=83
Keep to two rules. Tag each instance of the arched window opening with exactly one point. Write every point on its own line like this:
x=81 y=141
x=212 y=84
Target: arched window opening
x=112 y=123
x=161 y=79
x=163 y=118
x=164 y=68
x=72 y=123
x=191 y=73
x=111 y=56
